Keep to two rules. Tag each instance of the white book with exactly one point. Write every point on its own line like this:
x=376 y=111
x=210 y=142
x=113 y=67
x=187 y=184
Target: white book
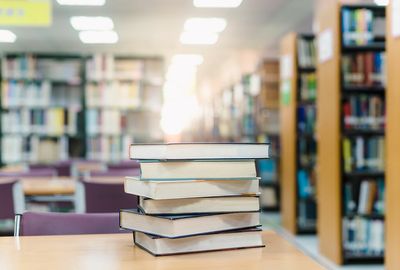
x=182 y=151
x=191 y=188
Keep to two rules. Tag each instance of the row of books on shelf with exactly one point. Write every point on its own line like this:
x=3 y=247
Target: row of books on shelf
x=51 y=121
x=308 y=87
x=362 y=154
x=365 y=197
x=124 y=95
x=306 y=183
x=307 y=215
x=364 y=112
x=361 y=27
x=306 y=152
x=34 y=149
x=38 y=94
x=108 y=148
x=306 y=118
x=364 y=69
x=306 y=53
x=29 y=67
x=363 y=237
x=107 y=67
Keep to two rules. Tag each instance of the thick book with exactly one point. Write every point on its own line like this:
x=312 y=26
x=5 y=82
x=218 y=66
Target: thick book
x=194 y=151
x=159 y=246
x=200 y=205
x=174 y=226
x=221 y=169
x=159 y=190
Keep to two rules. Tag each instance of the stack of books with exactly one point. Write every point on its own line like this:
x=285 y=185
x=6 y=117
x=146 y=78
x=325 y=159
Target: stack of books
x=195 y=197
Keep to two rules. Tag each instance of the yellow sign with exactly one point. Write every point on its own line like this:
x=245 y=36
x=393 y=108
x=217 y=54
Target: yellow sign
x=25 y=12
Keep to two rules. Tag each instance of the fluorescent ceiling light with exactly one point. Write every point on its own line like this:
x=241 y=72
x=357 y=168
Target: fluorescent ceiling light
x=7 y=36
x=91 y=23
x=98 y=37
x=82 y=2
x=215 y=25
x=202 y=38
x=187 y=59
x=217 y=3
x=382 y=2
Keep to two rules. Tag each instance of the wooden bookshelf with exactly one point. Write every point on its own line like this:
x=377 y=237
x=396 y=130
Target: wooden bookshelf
x=297 y=139
x=332 y=131
x=392 y=260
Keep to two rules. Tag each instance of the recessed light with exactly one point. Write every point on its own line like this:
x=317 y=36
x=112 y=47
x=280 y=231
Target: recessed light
x=91 y=23
x=201 y=38
x=205 y=24
x=217 y=3
x=6 y=36
x=82 y=2
x=98 y=37
x=187 y=59
x=382 y=2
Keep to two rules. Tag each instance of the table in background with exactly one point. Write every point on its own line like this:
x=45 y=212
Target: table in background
x=116 y=251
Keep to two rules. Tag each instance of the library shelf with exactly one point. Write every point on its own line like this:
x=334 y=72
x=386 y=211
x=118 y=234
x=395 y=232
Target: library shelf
x=331 y=127
x=364 y=174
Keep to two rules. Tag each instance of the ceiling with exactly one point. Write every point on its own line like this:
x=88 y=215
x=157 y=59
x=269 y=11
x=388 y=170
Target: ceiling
x=152 y=27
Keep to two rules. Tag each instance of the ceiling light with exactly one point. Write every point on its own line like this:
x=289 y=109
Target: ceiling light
x=98 y=37
x=202 y=38
x=82 y=2
x=187 y=59
x=382 y=2
x=7 y=36
x=217 y=3
x=91 y=23
x=205 y=24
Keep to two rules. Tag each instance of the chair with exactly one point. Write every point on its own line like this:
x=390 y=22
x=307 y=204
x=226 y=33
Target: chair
x=115 y=173
x=62 y=168
x=102 y=197
x=31 y=223
x=124 y=165
x=12 y=198
x=42 y=172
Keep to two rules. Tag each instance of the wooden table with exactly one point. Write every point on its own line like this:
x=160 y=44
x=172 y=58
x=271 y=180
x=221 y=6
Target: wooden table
x=48 y=187
x=116 y=251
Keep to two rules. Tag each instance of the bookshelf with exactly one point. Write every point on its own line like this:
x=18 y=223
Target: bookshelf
x=41 y=108
x=351 y=120
x=298 y=98
x=123 y=98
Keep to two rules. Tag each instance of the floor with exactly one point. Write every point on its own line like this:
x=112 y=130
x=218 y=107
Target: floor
x=308 y=244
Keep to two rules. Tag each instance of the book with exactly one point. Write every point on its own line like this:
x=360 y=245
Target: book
x=199 y=205
x=182 y=151
x=173 y=226
x=211 y=242
x=159 y=190
x=198 y=170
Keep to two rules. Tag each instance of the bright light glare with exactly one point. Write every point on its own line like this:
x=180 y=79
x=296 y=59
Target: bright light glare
x=187 y=59
x=382 y=2
x=194 y=38
x=214 y=25
x=98 y=37
x=7 y=36
x=91 y=23
x=82 y=2
x=217 y=3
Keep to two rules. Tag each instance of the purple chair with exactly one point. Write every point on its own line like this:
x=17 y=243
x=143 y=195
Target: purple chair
x=116 y=173
x=44 y=172
x=100 y=197
x=62 y=168
x=124 y=165
x=31 y=223
x=11 y=199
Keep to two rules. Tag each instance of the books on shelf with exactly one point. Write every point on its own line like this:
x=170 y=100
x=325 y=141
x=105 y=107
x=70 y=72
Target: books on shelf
x=306 y=53
x=308 y=87
x=107 y=147
x=363 y=237
x=306 y=119
x=305 y=184
x=363 y=154
x=360 y=26
x=364 y=112
x=183 y=216
x=364 y=69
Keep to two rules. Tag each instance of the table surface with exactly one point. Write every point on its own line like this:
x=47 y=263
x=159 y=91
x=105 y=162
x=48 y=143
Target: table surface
x=116 y=251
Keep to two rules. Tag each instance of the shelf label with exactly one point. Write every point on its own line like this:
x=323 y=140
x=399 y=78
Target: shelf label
x=325 y=45
x=396 y=18
x=25 y=12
